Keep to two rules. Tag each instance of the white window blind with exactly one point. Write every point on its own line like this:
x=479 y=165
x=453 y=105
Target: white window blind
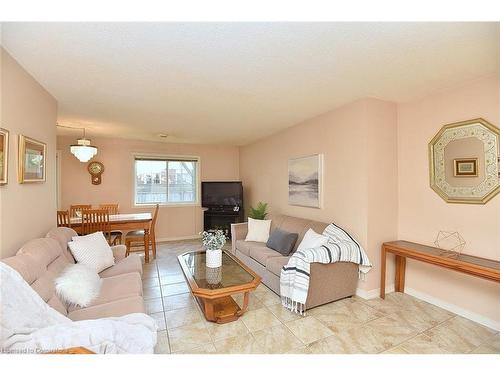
x=165 y=180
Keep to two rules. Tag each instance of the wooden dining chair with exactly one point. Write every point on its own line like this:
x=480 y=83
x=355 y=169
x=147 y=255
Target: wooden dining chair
x=111 y=207
x=113 y=210
x=74 y=208
x=136 y=239
x=97 y=221
x=63 y=219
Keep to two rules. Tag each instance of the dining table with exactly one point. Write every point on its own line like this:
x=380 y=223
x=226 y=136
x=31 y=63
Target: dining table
x=124 y=223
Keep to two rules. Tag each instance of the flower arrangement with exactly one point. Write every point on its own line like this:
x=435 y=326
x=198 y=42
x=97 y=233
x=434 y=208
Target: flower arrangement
x=214 y=240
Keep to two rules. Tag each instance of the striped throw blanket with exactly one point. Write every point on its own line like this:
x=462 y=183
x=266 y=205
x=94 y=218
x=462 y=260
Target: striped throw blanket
x=294 y=280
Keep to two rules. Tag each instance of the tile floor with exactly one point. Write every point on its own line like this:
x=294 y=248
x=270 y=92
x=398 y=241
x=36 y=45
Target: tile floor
x=400 y=324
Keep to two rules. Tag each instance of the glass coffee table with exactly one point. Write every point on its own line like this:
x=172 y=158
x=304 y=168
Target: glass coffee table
x=213 y=287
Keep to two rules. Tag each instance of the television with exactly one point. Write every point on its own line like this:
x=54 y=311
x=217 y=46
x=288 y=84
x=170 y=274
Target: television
x=222 y=193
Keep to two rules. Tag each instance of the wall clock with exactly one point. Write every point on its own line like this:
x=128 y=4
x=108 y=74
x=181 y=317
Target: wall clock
x=95 y=169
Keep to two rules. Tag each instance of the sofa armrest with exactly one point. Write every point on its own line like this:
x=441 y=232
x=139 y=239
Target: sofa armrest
x=119 y=252
x=238 y=232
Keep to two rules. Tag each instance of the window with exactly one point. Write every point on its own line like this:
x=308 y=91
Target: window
x=166 y=180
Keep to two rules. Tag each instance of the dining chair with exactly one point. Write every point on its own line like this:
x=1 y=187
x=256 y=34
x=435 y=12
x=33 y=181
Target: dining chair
x=63 y=218
x=74 y=208
x=135 y=239
x=97 y=221
x=113 y=209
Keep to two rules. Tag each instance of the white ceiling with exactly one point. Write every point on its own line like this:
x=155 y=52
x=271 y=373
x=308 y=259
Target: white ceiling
x=237 y=82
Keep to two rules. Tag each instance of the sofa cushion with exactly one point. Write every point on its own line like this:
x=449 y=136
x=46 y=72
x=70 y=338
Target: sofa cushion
x=116 y=308
x=116 y=288
x=261 y=254
x=275 y=264
x=78 y=284
x=317 y=226
x=258 y=230
x=119 y=252
x=293 y=224
x=132 y=263
x=296 y=225
x=63 y=235
x=245 y=246
x=282 y=241
x=92 y=250
x=39 y=262
x=312 y=240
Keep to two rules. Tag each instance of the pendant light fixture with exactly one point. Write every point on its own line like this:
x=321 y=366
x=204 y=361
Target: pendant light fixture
x=83 y=151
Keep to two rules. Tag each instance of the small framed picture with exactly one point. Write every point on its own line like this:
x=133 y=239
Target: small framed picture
x=465 y=167
x=4 y=155
x=32 y=159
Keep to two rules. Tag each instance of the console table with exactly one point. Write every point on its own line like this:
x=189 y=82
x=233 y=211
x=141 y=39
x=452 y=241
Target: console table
x=481 y=267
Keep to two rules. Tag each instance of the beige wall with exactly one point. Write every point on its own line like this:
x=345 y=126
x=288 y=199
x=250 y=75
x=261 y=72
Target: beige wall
x=422 y=213
x=217 y=163
x=382 y=184
x=377 y=186
x=358 y=142
x=27 y=210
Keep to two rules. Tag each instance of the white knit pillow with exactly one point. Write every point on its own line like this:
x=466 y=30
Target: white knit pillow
x=93 y=251
x=312 y=240
x=78 y=285
x=258 y=230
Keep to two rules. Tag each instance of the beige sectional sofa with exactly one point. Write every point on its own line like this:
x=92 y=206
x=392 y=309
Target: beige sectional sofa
x=41 y=260
x=328 y=282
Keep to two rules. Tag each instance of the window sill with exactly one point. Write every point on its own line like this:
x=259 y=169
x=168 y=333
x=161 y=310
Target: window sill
x=152 y=205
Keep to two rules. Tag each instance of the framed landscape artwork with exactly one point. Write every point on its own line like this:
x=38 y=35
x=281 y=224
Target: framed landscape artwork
x=4 y=155
x=32 y=159
x=304 y=181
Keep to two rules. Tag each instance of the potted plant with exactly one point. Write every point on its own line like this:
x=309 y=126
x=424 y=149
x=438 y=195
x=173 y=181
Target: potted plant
x=259 y=212
x=213 y=242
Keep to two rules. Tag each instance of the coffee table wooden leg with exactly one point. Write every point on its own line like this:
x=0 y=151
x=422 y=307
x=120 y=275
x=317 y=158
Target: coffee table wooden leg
x=208 y=309
x=246 y=297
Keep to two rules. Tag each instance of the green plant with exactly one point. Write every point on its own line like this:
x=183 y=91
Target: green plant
x=260 y=212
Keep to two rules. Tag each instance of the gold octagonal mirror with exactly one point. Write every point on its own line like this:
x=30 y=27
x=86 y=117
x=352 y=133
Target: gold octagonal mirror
x=464 y=162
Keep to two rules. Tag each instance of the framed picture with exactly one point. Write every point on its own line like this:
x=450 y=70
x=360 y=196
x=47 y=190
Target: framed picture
x=31 y=162
x=304 y=181
x=4 y=155
x=465 y=167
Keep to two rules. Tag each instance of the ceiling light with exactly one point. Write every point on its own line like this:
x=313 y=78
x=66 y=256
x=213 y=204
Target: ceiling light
x=163 y=135
x=83 y=151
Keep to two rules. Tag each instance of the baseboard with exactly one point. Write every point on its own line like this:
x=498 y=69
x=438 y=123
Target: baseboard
x=170 y=239
x=475 y=317
x=374 y=293
x=490 y=323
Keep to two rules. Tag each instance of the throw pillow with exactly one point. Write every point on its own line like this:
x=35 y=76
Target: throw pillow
x=282 y=241
x=78 y=285
x=311 y=240
x=92 y=250
x=258 y=230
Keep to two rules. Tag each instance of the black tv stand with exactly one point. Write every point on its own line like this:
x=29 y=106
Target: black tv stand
x=221 y=217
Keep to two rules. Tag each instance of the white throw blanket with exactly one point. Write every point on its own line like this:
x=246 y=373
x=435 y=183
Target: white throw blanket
x=294 y=279
x=29 y=325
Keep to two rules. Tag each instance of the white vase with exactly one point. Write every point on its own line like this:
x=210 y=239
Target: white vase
x=214 y=258
x=213 y=275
